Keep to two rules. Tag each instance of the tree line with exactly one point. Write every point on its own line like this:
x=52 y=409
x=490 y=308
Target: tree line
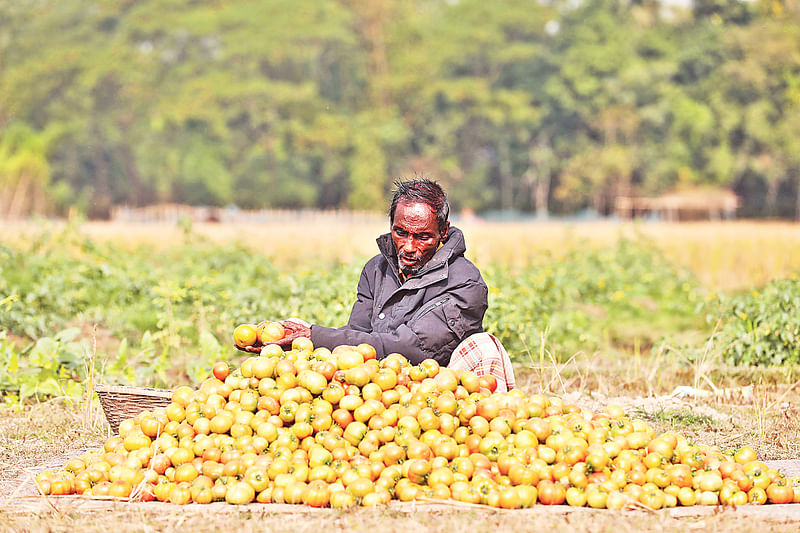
x=548 y=106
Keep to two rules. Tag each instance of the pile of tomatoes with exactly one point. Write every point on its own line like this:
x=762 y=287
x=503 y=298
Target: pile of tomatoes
x=341 y=428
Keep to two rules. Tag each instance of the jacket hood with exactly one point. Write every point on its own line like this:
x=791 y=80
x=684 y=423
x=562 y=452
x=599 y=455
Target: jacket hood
x=451 y=248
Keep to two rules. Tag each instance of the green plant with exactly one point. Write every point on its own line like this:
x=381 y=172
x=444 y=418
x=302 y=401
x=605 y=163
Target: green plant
x=674 y=418
x=762 y=327
x=52 y=366
x=621 y=296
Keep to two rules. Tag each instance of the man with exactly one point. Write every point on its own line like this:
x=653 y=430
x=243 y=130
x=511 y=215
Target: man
x=420 y=296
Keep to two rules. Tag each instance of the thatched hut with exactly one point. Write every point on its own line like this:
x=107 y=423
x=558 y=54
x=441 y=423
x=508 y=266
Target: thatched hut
x=696 y=203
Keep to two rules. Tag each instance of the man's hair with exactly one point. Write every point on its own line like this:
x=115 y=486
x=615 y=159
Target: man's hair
x=422 y=190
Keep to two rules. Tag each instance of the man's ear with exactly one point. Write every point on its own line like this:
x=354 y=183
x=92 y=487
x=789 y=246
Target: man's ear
x=445 y=231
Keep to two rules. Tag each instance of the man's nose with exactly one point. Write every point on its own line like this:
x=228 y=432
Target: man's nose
x=409 y=245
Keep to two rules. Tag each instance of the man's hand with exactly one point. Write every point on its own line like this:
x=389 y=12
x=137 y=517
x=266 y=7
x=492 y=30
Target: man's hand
x=296 y=328
x=293 y=329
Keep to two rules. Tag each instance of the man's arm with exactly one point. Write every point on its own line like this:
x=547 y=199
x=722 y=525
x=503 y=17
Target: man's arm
x=431 y=333
x=360 y=316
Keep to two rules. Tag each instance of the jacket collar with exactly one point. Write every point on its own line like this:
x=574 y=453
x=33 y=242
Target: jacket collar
x=453 y=247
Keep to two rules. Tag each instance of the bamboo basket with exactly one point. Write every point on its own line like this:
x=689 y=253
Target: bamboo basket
x=121 y=403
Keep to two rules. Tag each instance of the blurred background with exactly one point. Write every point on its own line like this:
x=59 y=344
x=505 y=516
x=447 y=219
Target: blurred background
x=520 y=108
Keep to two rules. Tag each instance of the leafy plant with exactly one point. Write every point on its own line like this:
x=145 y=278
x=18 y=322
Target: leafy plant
x=762 y=327
x=52 y=366
x=591 y=300
x=167 y=317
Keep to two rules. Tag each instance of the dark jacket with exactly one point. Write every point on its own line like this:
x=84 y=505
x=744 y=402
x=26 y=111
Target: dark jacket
x=426 y=316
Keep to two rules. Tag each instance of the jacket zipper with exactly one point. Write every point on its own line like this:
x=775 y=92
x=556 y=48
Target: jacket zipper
x=425 y=310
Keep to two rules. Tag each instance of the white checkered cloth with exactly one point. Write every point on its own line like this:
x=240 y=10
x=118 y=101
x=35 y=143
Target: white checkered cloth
x=482 y=353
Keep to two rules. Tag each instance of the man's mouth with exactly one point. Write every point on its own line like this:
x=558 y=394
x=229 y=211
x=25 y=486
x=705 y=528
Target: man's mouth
x=409 y=260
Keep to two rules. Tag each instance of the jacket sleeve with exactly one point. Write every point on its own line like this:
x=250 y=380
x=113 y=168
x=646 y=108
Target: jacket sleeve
x=432 y=332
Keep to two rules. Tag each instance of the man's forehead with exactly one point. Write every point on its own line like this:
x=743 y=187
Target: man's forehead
x=414 y=212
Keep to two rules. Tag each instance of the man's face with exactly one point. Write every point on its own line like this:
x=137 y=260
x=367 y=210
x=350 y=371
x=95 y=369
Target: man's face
x=416 y=236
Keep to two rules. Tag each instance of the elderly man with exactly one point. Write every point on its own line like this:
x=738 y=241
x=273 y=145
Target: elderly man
x=420 y=296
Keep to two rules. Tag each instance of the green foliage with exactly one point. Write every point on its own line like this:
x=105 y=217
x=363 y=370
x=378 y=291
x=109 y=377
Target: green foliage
x=50 y=367
x=165 y=318
x=174 y=312
x=762 y=327
x=674 y=418
x=591 y=300
x=321 y=103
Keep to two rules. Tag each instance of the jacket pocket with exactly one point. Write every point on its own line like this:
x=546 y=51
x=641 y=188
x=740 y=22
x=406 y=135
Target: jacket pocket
x=439 y=327
x=427 y=309
x=454 y=321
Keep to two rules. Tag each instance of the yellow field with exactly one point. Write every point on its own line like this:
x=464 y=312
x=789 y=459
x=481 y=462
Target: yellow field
x=723 y=255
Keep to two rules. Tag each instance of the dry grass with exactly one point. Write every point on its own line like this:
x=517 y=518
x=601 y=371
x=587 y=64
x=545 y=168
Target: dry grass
x=34 y=433
x=723 y=255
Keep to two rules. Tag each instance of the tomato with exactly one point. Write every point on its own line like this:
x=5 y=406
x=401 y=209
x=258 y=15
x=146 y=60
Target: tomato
x=295 y=492
x=653 y=498
x=257 y=478
x=616 y=500
x=354 y=432
x=221 y=370
x=488 y=408
x=317 y=494
x=510 y=498
x=739 y=498
x=575 y=497
x=342 y=500
x=707 y=497
x=758 y=475
x=687 y=496
x=180 y=494
x=551 y=493
x=186 y=473
x=492 y=445
x=679 y=475
x=757 y=496
x=780 y=492
x=367 y=351
x=596 y=497
x=239 y=492
x=245 y=335
x=271 y=332
x=348 y=358
x=488 y=381
x=417 y=470
x=302 y=344
x=203 y=495
x=745 y=455
x=546 y=454
x=360 y=487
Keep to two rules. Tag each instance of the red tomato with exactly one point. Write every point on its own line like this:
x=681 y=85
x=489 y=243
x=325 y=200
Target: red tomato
x=221 y=370
x=488 y=381
x=551 y=493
